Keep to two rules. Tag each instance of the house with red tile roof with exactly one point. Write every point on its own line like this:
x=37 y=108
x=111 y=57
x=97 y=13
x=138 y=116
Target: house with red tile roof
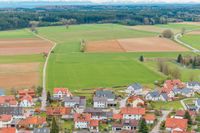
x=85 y=121
x=149 y=118
x=125 y=125
x=8 y=130
x=31 y=122
x=135 y=101
x=64 y=112
x=22 y=93
x=181 y=113
x=134 y=113
x=8 y=101
x=26 y=101
x=5 y=120
x=174 y=124
x=59 y=93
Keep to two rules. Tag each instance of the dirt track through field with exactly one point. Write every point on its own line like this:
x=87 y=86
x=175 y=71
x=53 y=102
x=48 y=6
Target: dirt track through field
x=24 y=46
x=21 y=75
x=197 y=32
x=148 y=44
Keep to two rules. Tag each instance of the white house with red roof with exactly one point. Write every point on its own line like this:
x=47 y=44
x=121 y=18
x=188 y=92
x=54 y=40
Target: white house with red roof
x=174 y=124
x=26 y=101
x=84 y=121
x=5 y=120
x=133 y=113
x=8 y=101
x=149 y=118
x=135 y=101
x=59 y=93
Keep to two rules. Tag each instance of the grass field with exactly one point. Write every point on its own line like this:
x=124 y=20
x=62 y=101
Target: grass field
x=193 y=40
x=13 y=34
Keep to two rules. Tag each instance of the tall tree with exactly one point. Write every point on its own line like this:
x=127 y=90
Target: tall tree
x=179 y=58
x=33 y=26
x=187 y=116
x=49 y=97
x=143 y=126
x=54 y=126
x=141 y=58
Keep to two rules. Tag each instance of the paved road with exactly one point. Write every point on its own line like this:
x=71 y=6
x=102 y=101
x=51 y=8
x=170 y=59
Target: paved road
x=44 y=94
x=164 y=116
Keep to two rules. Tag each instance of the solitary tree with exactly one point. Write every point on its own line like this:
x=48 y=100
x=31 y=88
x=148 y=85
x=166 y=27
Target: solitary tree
x=183 y=31
x=141 y=58
x=168 y=34
x=33 y=26
x=68 y=22
x=49 y=97
x=179 y=58
x=143 y=126
x=54 y=126
x=188 y=117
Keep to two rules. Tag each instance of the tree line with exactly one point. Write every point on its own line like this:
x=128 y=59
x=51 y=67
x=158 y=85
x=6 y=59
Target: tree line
x=127 y=15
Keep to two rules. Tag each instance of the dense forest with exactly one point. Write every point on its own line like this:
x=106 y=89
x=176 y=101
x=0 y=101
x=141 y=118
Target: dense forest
x=127 y=15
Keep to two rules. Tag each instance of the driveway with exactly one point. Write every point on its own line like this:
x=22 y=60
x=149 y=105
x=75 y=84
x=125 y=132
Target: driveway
x=165 y=113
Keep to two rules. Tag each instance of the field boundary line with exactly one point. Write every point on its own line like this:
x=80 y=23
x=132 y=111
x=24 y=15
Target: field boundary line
x=44 y=94
x=123 y=49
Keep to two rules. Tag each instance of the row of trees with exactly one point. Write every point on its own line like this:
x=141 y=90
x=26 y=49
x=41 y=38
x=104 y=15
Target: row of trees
x=189 y=61
x=128 y=15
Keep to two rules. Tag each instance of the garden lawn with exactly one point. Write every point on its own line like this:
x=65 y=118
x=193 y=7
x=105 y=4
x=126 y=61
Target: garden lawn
x=176 y=105
x=192 y=40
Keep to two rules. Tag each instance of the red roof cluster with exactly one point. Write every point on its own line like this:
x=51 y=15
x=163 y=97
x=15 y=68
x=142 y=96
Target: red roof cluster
x=94 y=123
x=8 y=100
x=149 y=117
x=22 y=93
x=133 y=110
x=63 y=90
x=182 y=113
x=58 y=111
x=27 y=97
x=170 y=84
x=117 y=116
x=176 y=123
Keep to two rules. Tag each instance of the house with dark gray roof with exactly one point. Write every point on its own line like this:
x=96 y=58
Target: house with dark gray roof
x=98 y=114
x=74 y=101
x=197 y=104
x=187 y=92
x=16 y=112
x=135 y=88
x=153 y=96
x=41 y=130
x=105 y=93
x=164 y=97
x=193 y=85
x=177 y=91
x=125 y=125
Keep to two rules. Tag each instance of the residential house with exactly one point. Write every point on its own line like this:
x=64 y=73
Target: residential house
x=181 y=113
x=104 y=99
x=32 y=122
x=168 y=90
x=134 y=113
x=177 y=91
x=26 y=101
x=84 y=121
x=197 y=104
x=193 y=85
x=5 y=120
x=75 y=101
x=59 y=93
x=187 y=92
x=8 y=101
x=153 y=96
x=98 y=114
x=8 y=130
x=135 y=88
x=164 y=97
x=16 y=112
x=150 y=118
x=135 y=101
x=64 y=112
x=174 y=124
x=22 y=93
x=41 y=130
x=127 y=125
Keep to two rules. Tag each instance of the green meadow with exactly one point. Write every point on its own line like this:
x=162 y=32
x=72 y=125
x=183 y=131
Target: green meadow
x=193 y=40
x=16 y=34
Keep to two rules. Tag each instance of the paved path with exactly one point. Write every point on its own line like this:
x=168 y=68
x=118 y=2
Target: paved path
x=183 y=104
x=44 y=93
x=164 y=116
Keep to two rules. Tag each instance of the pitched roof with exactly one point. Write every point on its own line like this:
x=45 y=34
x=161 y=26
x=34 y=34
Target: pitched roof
x=133 y=110
x=11 y=110
x=105 y=93
x=149 y=117
x=63 y=90
x=154 y=93
x=41 y=130
x=5 y=117
x=176 y=123
x=133 y=98
x=186 y=90
x=164 y=95
x=27 y=97
x=193 y=83
x=182 y=113
x=117 y=116
x=35 y=120
x=8 y=130
x=133 y=123
x=99 y=99
x=8 y=100
x=84 y=117
x=136 y=86
x=58 y=110
x=94 y=123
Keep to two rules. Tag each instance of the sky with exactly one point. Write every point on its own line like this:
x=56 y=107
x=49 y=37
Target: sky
x=134 y=1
